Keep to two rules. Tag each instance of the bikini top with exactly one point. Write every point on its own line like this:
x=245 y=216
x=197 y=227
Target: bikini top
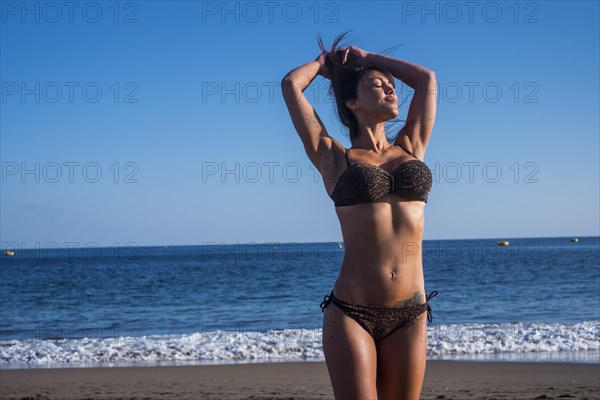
x=365 y=182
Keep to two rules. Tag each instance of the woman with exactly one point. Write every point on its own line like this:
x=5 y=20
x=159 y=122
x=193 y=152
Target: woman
x=375 y=336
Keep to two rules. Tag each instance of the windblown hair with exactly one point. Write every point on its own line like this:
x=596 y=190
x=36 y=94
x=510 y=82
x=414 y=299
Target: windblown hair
x=345 y=79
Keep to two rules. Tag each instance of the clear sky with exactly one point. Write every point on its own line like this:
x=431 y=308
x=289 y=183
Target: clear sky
x=162 y=123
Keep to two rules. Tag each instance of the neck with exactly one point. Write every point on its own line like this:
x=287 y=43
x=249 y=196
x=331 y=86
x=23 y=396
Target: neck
x=371 y=136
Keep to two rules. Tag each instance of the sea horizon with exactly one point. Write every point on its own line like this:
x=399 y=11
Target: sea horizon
x=212 y=243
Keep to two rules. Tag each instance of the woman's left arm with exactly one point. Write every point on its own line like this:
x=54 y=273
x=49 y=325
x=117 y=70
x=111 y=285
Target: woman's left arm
x=422 y=109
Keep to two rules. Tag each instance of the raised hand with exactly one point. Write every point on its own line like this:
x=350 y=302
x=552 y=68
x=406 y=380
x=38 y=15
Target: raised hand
x=323 y=69
x=352 y=53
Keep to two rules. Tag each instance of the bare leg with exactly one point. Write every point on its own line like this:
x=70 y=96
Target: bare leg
x=350 y=355
x=401 y=361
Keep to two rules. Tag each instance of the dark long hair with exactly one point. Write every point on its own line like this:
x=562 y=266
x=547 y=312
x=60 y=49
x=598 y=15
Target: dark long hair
x=344 y=81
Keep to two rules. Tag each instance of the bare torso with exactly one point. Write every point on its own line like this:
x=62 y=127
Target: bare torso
x=382 y=262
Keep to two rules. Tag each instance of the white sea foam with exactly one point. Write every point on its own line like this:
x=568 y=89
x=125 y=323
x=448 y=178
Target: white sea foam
x=467 y=341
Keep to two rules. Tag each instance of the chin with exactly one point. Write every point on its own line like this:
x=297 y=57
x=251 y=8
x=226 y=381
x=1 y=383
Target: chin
x=391 y=115
x=391 y=112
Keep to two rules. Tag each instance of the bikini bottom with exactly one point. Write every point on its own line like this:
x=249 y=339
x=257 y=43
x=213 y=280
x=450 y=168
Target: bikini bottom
x=380 y=321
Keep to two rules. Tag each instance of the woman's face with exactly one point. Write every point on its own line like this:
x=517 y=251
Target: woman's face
x=375 y=97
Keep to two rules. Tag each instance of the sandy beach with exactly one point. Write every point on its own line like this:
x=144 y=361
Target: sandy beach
x=308 y=380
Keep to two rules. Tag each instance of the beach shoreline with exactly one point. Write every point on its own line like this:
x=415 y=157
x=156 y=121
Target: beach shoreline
x=298 y=380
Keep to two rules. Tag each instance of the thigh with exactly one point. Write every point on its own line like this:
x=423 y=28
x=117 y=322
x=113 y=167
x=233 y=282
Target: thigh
x=401 y=358
x=350 y=355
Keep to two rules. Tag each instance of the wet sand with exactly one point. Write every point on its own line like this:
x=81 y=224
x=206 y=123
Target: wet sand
x=308 y=380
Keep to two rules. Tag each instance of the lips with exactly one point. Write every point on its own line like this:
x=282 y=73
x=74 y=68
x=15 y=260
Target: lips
x=391 y=100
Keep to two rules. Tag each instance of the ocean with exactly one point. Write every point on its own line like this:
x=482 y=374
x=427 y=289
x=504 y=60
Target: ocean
x=537 y=299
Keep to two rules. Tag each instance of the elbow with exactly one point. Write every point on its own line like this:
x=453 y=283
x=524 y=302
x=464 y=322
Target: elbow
x=289 y=88
x=425 y=82
x=286 y=80
x=430 y=76
x=425 y=79
x=429 y=82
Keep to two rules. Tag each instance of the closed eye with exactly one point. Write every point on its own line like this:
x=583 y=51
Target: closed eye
x=378 y=84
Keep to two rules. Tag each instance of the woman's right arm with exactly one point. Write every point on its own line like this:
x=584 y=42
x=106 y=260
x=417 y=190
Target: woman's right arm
x=310 y=128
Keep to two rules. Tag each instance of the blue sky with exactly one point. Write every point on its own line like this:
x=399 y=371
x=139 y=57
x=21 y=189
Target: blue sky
x=162 y=123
